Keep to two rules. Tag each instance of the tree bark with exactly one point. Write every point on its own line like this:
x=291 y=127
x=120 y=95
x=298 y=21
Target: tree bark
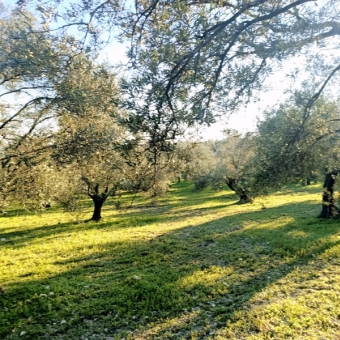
x=312 y=176
x=98 y=201
x=97 y=197
x=244 y=197
x=329 y=209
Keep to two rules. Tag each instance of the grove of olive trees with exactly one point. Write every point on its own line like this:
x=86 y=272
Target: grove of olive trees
x=189 y=63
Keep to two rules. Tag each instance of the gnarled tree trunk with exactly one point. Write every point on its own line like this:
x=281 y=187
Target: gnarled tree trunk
x=329 y=209
x=98 y=201
x=98 y=198
x=244 y=197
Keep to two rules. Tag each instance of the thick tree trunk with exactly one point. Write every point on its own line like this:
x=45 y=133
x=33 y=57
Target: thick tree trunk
x=329 y=209
x=98 y=201
x=97 y=197
x=244 y=197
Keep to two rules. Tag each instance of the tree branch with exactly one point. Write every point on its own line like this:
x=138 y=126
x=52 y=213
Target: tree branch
x=217 y=29
x=33 y=101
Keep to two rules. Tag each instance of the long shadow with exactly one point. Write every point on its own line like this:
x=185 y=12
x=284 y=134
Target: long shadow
x=123 y=218
x=131 y=286
x=20 y=238
x=299 y=189
x=139 y=216
x=129 y=218
x=17 y=212
x=183 y=196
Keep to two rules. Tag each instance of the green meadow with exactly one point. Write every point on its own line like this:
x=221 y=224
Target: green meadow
x=196 y=265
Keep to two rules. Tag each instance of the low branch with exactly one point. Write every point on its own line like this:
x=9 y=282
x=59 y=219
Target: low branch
x=217 y=29
x=31 y=102
x=23 y=89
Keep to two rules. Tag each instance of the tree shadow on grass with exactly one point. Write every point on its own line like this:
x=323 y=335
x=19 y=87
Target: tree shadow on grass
x=20 y=238
x=148 y=287
x=120 y=219
x=125 y=218
x=18 y=212
x=297 y=189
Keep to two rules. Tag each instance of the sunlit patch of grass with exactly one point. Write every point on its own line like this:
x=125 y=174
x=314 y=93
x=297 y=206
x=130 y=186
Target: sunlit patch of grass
x=207 y=277
x=298 y=233
x=195 y=266
x=300 y=305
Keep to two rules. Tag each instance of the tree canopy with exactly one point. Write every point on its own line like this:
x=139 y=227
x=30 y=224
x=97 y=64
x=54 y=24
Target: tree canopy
x=203 y=58
x=189 y=63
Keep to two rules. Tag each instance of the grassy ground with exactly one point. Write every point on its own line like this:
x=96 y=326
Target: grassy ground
x=197 y=266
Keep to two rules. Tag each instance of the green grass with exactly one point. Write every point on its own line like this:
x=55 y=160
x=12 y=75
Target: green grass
x=197 y=266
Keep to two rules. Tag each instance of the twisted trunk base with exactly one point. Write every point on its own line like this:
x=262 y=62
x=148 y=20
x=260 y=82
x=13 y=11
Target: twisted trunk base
x=242 y=193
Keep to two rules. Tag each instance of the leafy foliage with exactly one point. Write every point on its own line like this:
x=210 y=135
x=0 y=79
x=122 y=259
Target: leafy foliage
x=32 y=64
x=192 y=61
x=291 y=143
x=228 y=161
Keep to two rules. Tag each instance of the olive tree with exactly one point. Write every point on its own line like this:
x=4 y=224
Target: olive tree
x=191 y=61
x=227 y=161
x=202 y=164
x=235 y=156
x=33 y=61
x=89 y=136
x=215 y=52
x=292 y=143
